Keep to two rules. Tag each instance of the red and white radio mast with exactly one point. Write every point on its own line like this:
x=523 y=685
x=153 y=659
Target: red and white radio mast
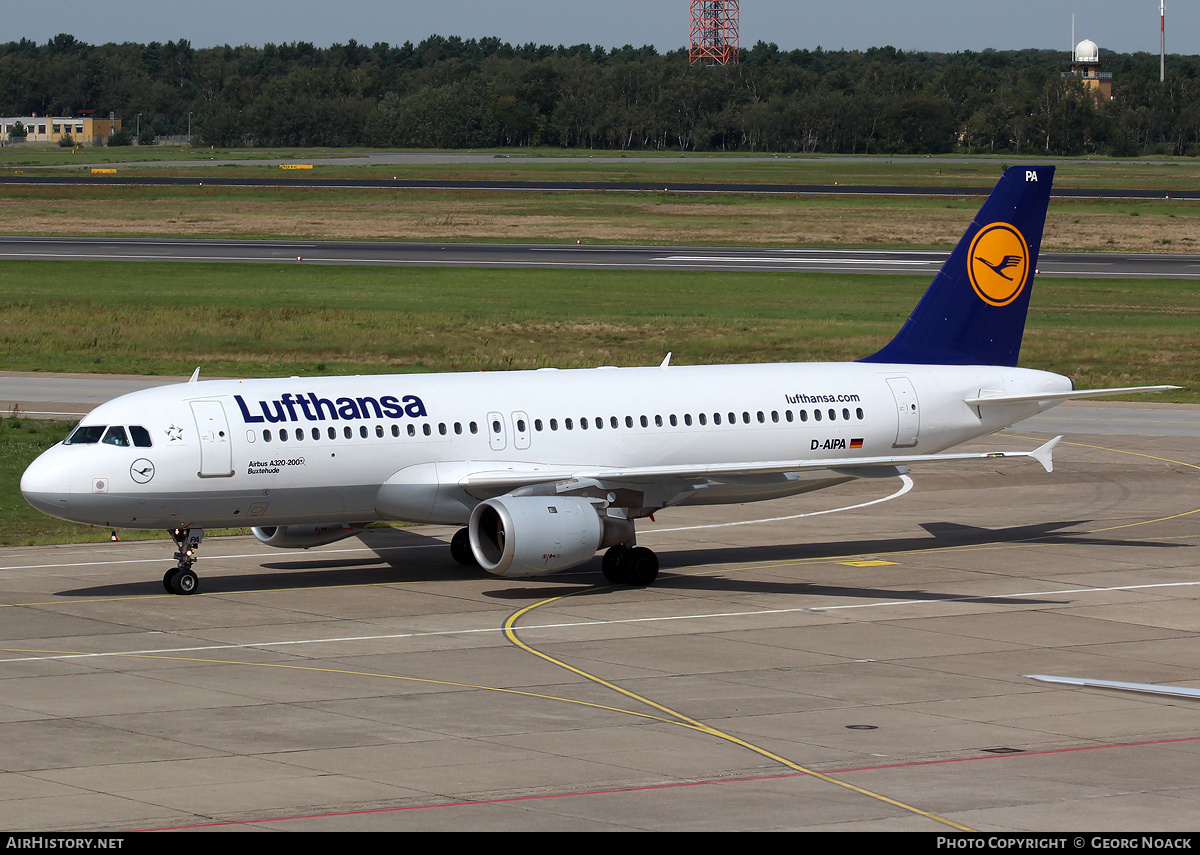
x=714 y=32
x=1162 y=41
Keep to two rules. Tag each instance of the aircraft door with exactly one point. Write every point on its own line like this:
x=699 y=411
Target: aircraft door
x=216 y=452
x=520 y=423
x=497 y=435
x=908 y=412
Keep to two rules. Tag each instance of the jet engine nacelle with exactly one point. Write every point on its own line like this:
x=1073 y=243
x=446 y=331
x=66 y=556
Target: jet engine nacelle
x=305 y=536
x=531 y=535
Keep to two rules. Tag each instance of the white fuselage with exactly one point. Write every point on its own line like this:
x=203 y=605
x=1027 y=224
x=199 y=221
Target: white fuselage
x=356 y=449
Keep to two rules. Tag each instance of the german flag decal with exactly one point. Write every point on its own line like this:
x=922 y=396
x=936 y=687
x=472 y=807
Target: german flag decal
x=998 y=264
x=856 y=442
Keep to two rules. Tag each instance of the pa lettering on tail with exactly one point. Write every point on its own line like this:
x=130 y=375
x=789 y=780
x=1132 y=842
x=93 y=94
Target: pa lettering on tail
x=974 y=311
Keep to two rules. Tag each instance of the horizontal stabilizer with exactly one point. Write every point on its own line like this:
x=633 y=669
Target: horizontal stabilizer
x=990 y=400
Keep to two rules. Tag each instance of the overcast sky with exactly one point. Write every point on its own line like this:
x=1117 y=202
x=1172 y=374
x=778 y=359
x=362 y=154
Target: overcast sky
x=942 y=25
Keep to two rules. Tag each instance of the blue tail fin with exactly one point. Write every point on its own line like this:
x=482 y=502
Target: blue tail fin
x=974 y=310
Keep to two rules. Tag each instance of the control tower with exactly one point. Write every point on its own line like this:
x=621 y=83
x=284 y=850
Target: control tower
x=1085 y=63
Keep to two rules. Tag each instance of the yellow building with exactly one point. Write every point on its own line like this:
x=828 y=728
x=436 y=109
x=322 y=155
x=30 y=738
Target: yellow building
x=84 y=130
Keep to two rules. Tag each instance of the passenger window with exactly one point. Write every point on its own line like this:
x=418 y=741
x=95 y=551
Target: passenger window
x=299 y=433
x=761 y=418
x=629 y=421
x=474 y=427
x=316 y=432
x=599 y=423
x=395 y=429
x=568 y=424
x=379 y=431
x=554 y=424
x=716 y=418
x=703 y=419
x=583 y=423
x=140 y=436
x=788 y=414
x=442 y=428
x=116 y=436
x=832 y=414
x=846 y=414
x=266 y=436
x=346 y=432
x=412 y=430
x=283 y=434
x=687 y=419
x=817 y=415
x=520 y=427
x=458 y=428
x=362 y=431
x=658 y=421
x=425 y=429
x=645 y=422
x=804 y=415
x=859 y=413
x=674 y=421
x=612 y=422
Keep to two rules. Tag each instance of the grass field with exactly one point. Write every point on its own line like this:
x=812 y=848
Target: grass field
x=594 y=217
x=265 y=319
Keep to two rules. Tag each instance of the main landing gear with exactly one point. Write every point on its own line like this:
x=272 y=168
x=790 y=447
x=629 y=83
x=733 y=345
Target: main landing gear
x=182 y=579
x=460 y=548
x=630 y=565
x=622 y=564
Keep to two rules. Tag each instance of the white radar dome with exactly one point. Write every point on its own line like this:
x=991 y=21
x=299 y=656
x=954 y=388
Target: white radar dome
x=1087 y=51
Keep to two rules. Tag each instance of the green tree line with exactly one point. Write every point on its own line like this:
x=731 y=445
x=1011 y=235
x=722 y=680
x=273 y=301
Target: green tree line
x=468 y=93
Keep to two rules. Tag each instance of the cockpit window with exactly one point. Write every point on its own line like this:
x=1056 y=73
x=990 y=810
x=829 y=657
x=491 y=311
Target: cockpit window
x=116 y=435
x=85 y=435
x=141 y=436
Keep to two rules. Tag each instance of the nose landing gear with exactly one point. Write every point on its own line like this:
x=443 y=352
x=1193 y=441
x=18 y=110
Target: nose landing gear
x=182 y=579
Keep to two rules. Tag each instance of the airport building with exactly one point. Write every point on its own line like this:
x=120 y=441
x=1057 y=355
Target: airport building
x=83 y=129
x=1085 y=63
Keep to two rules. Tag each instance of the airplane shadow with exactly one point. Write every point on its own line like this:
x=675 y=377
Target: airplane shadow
x=406 y=556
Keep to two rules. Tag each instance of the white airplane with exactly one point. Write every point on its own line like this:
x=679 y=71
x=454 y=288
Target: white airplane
x=545 y=468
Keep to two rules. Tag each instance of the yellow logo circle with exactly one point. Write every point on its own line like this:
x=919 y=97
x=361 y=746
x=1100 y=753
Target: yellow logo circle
x=998 y=264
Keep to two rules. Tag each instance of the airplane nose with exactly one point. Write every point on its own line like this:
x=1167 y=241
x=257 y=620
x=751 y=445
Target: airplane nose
x=46 y=484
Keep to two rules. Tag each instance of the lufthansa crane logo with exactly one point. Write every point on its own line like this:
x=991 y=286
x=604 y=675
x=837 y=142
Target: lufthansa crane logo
x=142 y=470
x=998 y=264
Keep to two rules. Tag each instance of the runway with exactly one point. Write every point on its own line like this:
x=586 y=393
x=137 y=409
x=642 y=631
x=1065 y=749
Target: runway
x=572 y=256
x=550 y=186
x=853 y=659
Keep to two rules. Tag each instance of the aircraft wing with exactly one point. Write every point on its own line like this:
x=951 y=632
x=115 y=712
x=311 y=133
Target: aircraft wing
x=511 y=479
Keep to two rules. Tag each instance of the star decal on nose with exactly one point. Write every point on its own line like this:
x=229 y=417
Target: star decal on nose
x=174 y=433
